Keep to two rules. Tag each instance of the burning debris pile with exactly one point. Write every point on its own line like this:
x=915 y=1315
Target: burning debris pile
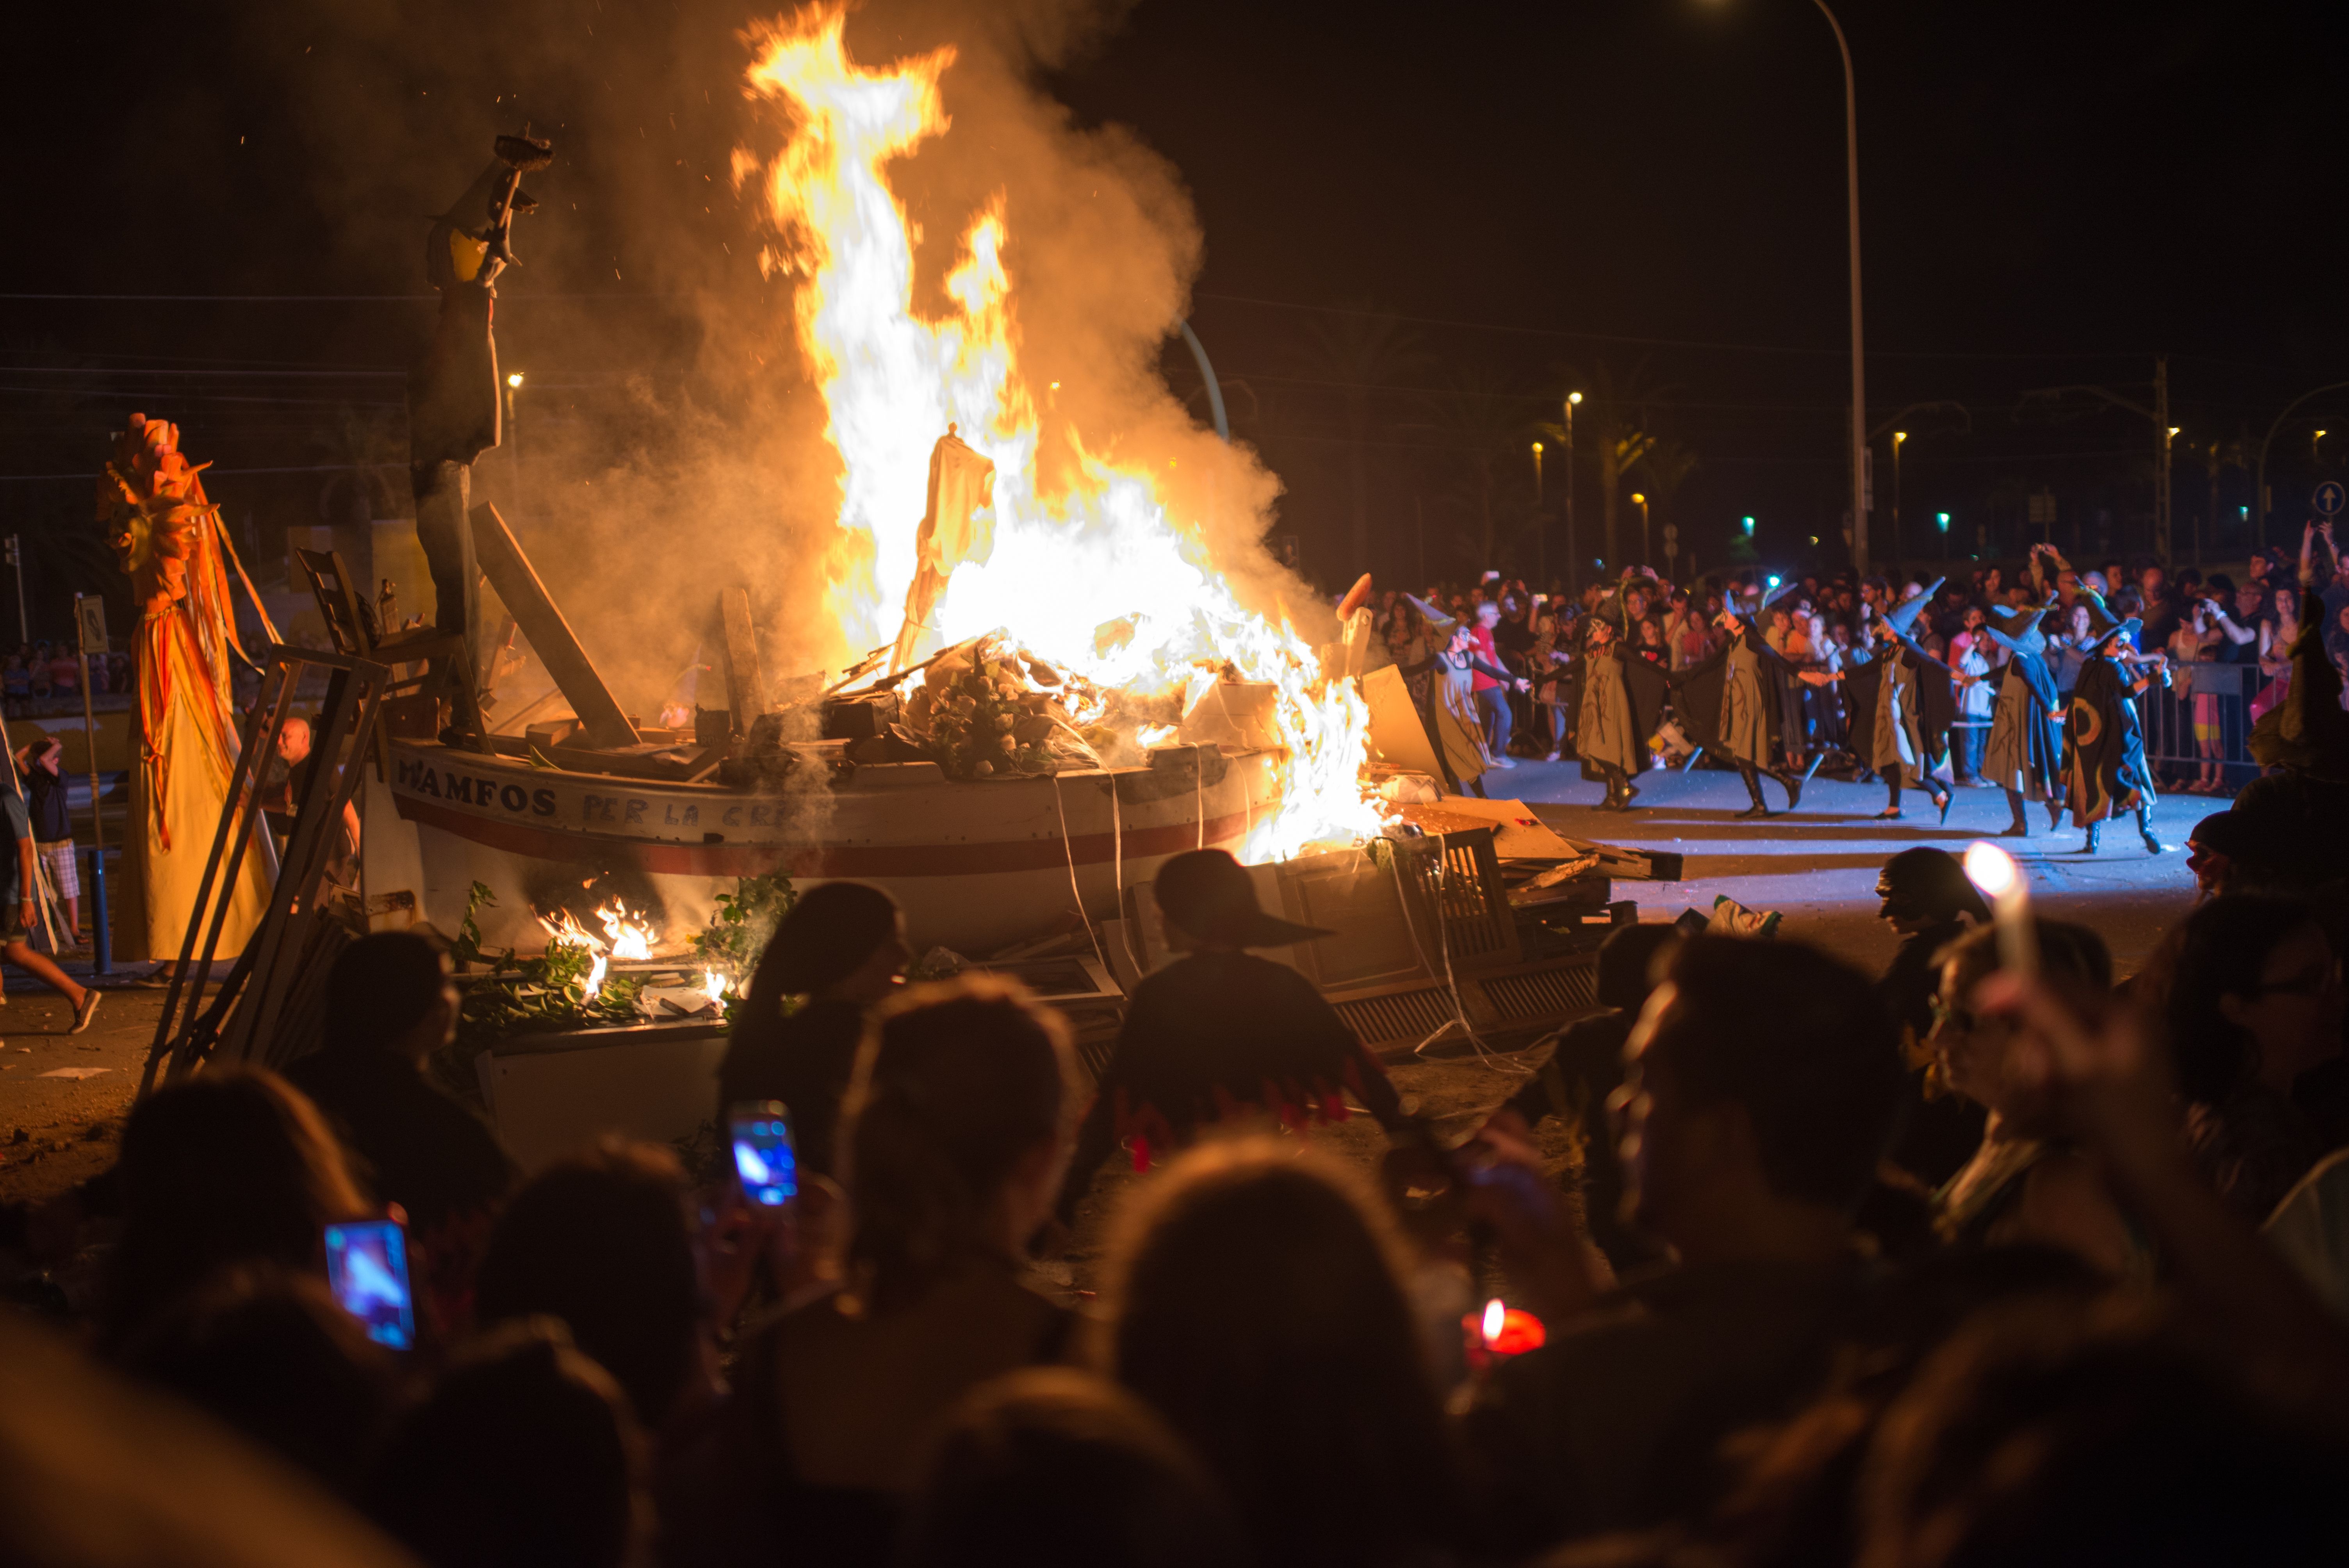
x=988 y=708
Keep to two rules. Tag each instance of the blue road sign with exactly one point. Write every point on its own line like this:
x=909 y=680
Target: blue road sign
x=2328 y=497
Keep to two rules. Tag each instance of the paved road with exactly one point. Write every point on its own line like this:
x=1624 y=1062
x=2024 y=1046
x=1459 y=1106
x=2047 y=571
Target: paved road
x=1817 y=865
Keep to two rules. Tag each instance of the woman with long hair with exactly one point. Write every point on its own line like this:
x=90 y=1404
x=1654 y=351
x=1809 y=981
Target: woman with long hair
x=832 y=959
x=231 y=1167
x=1258 y=1303
x=953 y=1143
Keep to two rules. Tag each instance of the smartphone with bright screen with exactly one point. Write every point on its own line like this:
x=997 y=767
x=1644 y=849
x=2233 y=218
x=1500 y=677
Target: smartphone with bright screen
x=366 y=1267
x=764 y=1158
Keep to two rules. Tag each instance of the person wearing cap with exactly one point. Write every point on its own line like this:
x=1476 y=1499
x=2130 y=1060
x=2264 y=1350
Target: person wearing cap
x=1928 y=903
x=1914 y=707
x=2212 y=849
x=1757 y=715
x=2026 y=753
x=2105 y=770
x=1220 y=1033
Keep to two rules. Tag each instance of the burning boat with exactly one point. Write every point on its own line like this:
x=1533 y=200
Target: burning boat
x=1068 y=685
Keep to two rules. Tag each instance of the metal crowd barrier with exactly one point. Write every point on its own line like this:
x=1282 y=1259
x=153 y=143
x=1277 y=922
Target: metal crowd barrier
x=2229 y=698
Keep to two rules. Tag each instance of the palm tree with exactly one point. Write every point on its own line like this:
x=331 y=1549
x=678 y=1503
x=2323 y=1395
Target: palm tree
x=1368 y=356
x=1619 y=420
x=1487 y=428
x=1667 y=464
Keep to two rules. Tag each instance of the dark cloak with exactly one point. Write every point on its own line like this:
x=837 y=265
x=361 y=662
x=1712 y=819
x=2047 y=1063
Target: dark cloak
x=1697 y=698
x=2044 y=737
x=1646 y=687
x=2104 y=770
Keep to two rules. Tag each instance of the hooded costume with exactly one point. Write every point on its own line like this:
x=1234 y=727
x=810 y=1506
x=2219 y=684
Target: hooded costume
x=1911 y=707
x=1454 y=728
x=2105 y=770
x=1621 y=702
x=1220 y=1032
x=2025 y=753
x=1744 y=706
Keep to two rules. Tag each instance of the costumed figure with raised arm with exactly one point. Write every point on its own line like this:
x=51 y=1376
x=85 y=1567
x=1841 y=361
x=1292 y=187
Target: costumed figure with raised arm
x=2024 y=755
x=1911 y=703
x=1622 y=698
x=1455 y=725
x=1744 y=705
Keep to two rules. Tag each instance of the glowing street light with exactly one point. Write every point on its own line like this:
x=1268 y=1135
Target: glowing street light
x=1943 y=519
x=514 y=380
x=1747 y=523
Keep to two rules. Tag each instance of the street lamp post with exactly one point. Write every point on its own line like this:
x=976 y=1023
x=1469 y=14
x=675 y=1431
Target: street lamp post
x=1898 y=438
x=1642 y=502
x=1541 y=525
x=1858 y=372
x=2260 y=474
x=1573 y=562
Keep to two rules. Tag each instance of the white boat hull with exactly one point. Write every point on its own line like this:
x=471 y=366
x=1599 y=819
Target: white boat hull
x=974 y=865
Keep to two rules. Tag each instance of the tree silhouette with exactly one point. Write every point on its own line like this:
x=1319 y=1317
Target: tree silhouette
x=1368 y=356
x=1667 y=464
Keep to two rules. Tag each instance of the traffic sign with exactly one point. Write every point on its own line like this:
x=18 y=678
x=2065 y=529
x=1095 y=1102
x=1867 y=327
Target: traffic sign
x=2328 y=497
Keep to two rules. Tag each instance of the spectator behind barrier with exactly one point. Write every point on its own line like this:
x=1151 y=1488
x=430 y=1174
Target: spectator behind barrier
x=1258 y=1302
x=525 y=1452
x=1054 y=1468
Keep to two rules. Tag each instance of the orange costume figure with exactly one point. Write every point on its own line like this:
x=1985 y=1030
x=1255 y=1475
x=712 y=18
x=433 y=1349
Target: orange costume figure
x=151 y=503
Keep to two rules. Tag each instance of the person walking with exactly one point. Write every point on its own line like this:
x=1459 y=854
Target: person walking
x=1607 y=738
x=41 y=766
x=1491 y=683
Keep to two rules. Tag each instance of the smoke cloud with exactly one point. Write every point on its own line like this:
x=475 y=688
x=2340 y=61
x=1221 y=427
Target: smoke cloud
x=671 y=443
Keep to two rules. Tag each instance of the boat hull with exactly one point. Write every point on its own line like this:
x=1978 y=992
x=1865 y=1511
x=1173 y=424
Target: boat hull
x=974 y=865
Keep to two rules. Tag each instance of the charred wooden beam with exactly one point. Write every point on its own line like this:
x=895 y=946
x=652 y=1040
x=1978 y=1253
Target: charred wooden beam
x=534 y=608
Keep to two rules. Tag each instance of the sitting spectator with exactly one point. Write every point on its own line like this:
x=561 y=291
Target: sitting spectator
x=953 y=1142
x=837 y=955
x=599 y=1242
x=2025 y=1184
x=1053 y=1468
x=1259 y=1305
x=1763 y=1086
x=228 y=1167
x=1220 y=1030
x=2251 y=991
x=390 y=1005
x=270 y=1352
x=1585 y=1068
x=524 y=1452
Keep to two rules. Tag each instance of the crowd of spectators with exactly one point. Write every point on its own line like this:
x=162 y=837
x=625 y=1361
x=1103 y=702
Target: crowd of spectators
x=2223 y=641
x=44 y=672
x=1780 y=1326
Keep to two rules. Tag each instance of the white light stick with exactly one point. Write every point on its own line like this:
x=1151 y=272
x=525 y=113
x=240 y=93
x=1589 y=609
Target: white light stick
x=1994 y=871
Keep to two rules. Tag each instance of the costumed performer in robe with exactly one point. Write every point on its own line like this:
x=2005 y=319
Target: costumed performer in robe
x=2105 y=770
x=1744 y=705
x=166 y=533
x=1914 y=706
x=2026 y=753
x=1456 y=726
x=1611 y=722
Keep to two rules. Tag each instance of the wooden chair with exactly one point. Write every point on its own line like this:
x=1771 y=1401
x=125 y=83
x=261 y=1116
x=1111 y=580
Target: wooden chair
x=411 y=703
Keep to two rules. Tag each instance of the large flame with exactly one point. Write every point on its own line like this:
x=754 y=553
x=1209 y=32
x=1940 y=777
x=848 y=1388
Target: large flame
x=1102 y=547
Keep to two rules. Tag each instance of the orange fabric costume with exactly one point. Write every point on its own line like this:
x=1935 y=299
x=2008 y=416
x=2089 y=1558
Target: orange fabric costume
x=151 y=502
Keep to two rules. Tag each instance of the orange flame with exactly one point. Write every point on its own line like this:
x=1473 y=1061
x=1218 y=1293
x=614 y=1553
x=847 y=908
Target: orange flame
x=627 y=937
x=1063 y=562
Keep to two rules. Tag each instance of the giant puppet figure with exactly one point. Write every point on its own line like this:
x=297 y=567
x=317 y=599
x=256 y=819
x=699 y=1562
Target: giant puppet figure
x=454 y=399
x=167 y=535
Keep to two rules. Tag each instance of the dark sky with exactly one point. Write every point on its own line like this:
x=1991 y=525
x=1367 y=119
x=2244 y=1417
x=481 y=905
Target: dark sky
x=1649 y=191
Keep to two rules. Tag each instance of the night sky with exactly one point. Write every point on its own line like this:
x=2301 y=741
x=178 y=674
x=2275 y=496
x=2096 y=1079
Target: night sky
x=1645 y=195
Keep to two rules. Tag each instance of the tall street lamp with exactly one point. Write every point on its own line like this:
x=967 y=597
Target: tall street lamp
x=1859 y=374
x=1642 y=502
x=1541 y=524
x=1573 y=573
x=2260 y=474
